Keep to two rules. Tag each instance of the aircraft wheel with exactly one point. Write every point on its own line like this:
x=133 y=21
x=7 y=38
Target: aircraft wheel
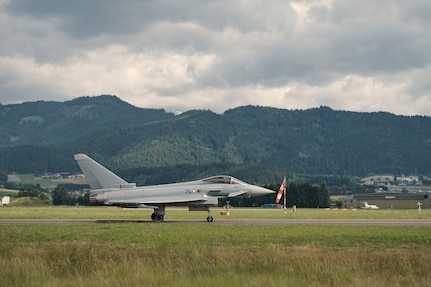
x=210 y=219
x=153 y=216
x=158 y=218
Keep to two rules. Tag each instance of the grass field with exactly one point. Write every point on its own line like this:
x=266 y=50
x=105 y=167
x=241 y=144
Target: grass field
x=4 y=191
x=31 y=179
x=59 y=212
x=189 y=254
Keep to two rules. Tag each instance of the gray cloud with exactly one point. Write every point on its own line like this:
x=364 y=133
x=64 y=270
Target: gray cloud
x=362 y=56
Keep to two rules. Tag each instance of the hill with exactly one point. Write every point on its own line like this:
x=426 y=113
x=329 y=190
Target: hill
x=29 y=201
x=39 y=137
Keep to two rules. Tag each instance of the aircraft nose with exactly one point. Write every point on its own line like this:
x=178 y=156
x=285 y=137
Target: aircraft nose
x=259 y=191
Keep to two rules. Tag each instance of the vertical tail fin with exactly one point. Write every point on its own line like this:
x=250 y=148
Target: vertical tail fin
x=98 y=176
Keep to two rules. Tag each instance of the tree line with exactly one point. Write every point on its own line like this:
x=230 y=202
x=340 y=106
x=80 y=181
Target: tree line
x=303 y=195
x=58 y=196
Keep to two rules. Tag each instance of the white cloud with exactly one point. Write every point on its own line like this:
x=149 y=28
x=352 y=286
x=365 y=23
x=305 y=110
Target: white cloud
x=349 y=55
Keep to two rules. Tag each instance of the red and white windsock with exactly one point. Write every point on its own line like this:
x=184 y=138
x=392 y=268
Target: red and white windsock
x=280 y=191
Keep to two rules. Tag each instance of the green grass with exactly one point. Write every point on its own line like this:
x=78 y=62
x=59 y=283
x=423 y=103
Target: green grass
x=196 y=254
x=29 y=201
x=184 y=254
x=31 y=179
x=4 y=192
x=62 y=212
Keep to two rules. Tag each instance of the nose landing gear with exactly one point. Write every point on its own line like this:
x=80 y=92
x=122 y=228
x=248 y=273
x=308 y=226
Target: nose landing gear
x=209 y=218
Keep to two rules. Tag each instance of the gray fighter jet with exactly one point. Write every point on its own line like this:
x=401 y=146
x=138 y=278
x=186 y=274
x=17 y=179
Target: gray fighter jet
x=109 y=189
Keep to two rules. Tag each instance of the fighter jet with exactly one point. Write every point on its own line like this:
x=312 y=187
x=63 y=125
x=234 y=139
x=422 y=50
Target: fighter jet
x=109 y=189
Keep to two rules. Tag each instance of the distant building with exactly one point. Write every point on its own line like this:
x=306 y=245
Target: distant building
x=406 y=181
x=388 y=200
x=5 y=200
x=382 y=182
x=64 y=174
x=51 y=176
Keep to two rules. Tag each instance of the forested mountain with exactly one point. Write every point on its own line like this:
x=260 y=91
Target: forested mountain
x=43 y=136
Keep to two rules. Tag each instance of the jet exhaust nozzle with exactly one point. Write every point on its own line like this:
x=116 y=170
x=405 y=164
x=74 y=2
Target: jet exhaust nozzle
x=97 y=198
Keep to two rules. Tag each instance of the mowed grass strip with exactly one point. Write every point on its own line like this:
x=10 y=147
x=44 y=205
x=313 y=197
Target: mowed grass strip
x=184 y=254
x=62 y=212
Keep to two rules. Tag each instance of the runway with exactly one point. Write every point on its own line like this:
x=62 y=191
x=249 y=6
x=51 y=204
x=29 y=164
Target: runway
x=345 y=222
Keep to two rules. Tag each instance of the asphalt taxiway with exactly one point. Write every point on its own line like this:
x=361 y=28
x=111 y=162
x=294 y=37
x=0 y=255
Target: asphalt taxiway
x=346 y=222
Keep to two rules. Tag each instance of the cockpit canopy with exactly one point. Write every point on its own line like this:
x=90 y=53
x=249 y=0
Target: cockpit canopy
x=225 y=179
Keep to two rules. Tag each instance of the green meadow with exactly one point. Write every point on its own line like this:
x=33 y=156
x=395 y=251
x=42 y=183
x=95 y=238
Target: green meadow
x=82 y=212
x=205 y=254
x=4 y=192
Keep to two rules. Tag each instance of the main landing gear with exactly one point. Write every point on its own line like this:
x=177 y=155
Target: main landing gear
x=157 y=217
x=159 y=214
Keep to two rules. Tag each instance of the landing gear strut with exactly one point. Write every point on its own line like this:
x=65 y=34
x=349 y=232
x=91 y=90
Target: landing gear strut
x=209 y=218
x=202 y=208
x=159 y=214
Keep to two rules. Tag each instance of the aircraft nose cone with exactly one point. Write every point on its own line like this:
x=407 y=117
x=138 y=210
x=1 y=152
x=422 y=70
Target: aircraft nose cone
x=259 y=191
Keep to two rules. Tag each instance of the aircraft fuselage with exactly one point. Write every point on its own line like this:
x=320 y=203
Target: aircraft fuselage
x=199 y=192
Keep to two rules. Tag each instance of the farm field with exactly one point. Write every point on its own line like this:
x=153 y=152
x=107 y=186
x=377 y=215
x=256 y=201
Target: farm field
x=31 y=179
x=4 y=191
x=397 y=188
x=196 y=254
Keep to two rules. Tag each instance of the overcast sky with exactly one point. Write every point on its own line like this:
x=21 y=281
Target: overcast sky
x=180 y=55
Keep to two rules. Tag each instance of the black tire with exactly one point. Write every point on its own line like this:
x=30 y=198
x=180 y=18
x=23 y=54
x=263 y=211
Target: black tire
x=158 y=218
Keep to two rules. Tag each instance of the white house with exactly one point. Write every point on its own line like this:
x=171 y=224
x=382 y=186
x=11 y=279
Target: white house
x=5 y=200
